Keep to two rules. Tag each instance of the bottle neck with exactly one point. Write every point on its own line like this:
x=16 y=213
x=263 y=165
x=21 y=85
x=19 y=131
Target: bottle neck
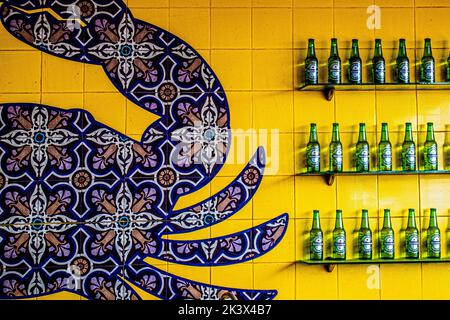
x=355 y=50
x=334 y=49
x=433 y=219
x=387 y=219
x=408 y=133
x=430 y=132
x=311 y=49
x=365 y=220
x=411 y=219
x=316 y=220
x=313 y=134
x=362 y=133
x=339 y=221
x=384 y=133
x=335 y=137
x=378 y=49
x=427 y=52
x=402 y=49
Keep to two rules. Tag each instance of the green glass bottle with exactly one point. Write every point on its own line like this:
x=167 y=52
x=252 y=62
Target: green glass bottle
x=433 y=236
x=427 y=67
x=316 y=238
x=365 y=237
x=336 y=152
x=339 y=238
x=408 y=150
x=412 y=237
x=355 y=65
x=313 y=151
x=448 y=68
x=311 y=64
x=402 y=63
x=378 y=64
x=362 y=157
x=384 y=150
x=430 y=150
x=387 y=250
x=334 y=64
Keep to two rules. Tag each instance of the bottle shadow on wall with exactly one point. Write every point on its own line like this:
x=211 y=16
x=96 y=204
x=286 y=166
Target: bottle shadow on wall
x=447 y=235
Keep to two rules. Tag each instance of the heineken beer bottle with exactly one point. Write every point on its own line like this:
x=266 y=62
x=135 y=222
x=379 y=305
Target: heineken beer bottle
x=384 y=150
x=316 y=238
x=378 y=64
x=412 y=237
x=387 y=237
x=430 y=152
x=313 y=151
x=448 y=68
x=339 y=238
x=433 y=236
x=408 y=150
x=362 y=158
x=427 y=67
x=336 y=152
x=355 y=65
x=334 y=64
x=365 y=237
x=402 y=68
x=311 y=64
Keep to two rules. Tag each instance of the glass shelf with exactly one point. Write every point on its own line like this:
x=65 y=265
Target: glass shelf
x=329 y=176
x=329 y=89
x=330 y=264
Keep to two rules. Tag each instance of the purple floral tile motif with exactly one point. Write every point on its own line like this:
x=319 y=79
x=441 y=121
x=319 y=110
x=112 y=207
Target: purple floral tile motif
x=81 y=205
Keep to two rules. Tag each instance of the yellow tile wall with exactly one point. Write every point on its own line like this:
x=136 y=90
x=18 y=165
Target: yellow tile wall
x=257 y=48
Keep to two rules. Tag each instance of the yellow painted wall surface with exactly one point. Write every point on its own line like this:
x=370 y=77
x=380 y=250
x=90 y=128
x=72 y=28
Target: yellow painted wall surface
x=256 y=48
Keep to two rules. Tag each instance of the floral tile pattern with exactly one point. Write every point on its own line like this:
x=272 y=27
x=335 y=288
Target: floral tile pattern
x=82 y=205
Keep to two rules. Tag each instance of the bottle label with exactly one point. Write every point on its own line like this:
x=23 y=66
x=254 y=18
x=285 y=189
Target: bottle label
x=403 y=71
x=428 y=71
x=379 y=71
x=317 y=244
x=334 y=71
x=355 y=72
x=336 y=158
x=362 y=158
x=365 y=244
x=435 y=244
x=339 y=244
x=385 y=157
x=412 y=244
x=409 y=157
x=311 y=71
x=430 y=157
x=388 y=244
x=313 y=158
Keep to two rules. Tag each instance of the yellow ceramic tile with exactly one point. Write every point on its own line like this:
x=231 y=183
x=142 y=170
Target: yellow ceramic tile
x=431 y=23
x=107 y=108
x=396 y=108
x=205 y=54
x=241 y=109
x=359 y=282
x=434 y=192
x=346 y=31
x=301 y=141
x=432 y=3
x=189 y=3
x=240 y=153
x=398 y=193
x=272 y=69
x=272 y=3
x=156 y=16
x=435 y=281
x=314 y=283
x=273 y=110
x=60 y=75
x=312 y=3
x=311 y=107
x=147 y=4
x=351 y=110
x=234 y=68
x=322 y=198
x=231 y=3
x=299 y=66
x=285 y=250
x=355 y=193
x=229 y=227
x=315 y=23
x=194 y=198
x=393 y=28
x=234 y=276
x=95 y=80
x=272 y=28
x=197 y=235
x=302 y=229
x=138 y=119
x=192 y=25
x=63 y=100
x=221 y=183
x=353 y=3
x=274 y=197
x=349 y=141
x=231 y=28
x=278 y=150
x=199 y=274
x=21 y=71
x=396 y=3
x=278 y=276
x=61 y=296
x=20 y=97
x=401 y=281
x=433 y=107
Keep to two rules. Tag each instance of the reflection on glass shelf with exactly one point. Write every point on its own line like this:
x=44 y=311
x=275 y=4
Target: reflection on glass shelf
x=372 y=86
